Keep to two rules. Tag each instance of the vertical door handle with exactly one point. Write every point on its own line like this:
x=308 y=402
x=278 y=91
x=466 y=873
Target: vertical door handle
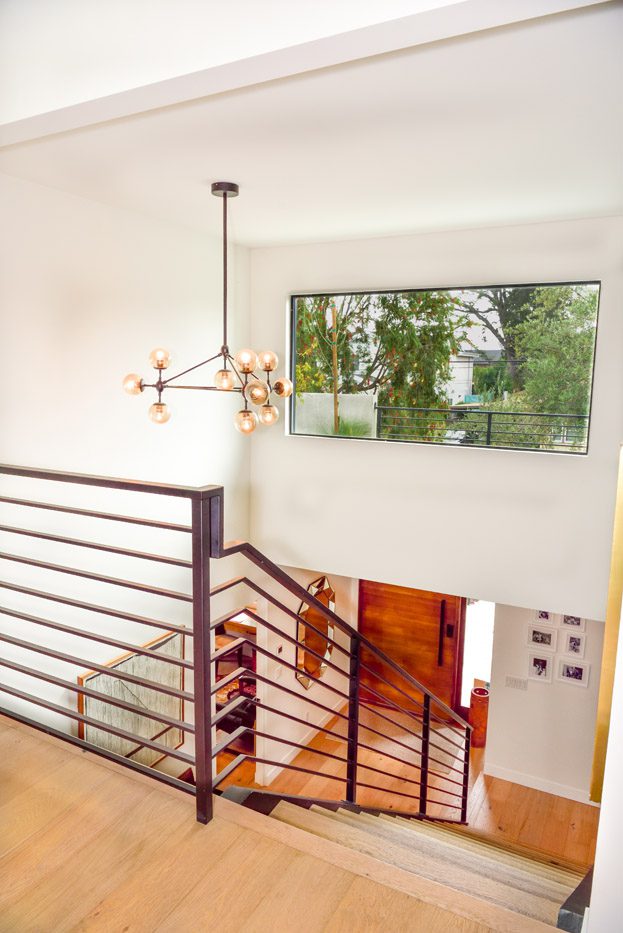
x=442 y=632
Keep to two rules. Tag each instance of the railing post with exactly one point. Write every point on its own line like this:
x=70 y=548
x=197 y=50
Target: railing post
x=353 y=720
x=489 y=425
x=424 y=755
x=378 y=420
x=465 y=777
x=201 y=656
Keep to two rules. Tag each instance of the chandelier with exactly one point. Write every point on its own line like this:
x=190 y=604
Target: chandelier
x=238 y=373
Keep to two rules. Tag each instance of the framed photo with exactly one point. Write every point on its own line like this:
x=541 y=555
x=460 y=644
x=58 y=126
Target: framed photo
x=544 y=617
x=542 y=637
x=574 y=644
x=540 y=666
x=574 y=622
x=571 y=671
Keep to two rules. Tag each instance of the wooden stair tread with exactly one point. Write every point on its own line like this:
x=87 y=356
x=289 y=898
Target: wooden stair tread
x=435 y=869
x=570 y=870
x=518 y=876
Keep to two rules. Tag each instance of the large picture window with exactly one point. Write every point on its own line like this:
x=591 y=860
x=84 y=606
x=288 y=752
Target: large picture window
x=498 y=366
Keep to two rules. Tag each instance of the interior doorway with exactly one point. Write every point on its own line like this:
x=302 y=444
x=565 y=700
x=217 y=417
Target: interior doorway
x=421 y=630
x=477 y=648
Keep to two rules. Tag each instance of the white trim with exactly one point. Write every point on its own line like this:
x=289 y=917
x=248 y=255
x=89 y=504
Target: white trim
x=548 y=787
x=458 y=19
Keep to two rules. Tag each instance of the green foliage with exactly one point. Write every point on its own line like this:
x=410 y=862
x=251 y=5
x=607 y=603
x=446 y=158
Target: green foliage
x=491 y=382
x=397 y=345
x=557 y=340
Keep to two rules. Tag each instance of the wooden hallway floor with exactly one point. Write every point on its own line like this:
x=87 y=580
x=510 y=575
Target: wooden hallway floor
x=87 y=846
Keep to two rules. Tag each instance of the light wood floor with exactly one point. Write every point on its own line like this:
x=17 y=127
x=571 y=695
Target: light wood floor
x=85 y=845
x=502 y=811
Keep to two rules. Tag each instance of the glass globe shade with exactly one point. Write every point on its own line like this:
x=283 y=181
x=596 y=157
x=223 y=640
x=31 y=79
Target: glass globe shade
x=224 y=379
x=257 y=391
x=159 y=413
x=268 y=414
x=246 y=360
x=133 y=384
x=245 y=421
x=282 y=387
x=159 y=358
x=267 y=360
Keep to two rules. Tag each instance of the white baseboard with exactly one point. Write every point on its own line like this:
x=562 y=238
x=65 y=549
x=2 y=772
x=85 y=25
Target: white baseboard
x=548 y=787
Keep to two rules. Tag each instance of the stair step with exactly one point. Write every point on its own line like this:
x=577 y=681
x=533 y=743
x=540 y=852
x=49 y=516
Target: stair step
x=412 y=859
x=501 y=851
x=518 y=876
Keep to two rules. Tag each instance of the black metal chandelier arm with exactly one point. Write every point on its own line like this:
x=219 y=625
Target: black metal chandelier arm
x=207 y=388
x=190 y=369
x=233 y=366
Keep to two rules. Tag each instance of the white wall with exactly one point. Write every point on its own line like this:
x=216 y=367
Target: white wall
x=86 y=291
x=606 y=907
x=513 y=527
x=541 y=737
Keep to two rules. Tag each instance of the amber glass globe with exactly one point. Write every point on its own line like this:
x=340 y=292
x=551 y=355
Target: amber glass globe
x=257 y=391
x=159 y=358
x=245 y=421
x=133 y=384
x=282 y=387
x=246 y=360
x=159 y=413
x=267 y=360
x=268 y=414
x=224 y=379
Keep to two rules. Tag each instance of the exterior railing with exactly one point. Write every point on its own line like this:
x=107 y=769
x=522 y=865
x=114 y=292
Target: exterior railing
x=391 y=743
x=515 y=430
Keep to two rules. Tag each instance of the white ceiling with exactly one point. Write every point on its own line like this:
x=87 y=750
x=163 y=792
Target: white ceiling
x=507 y=126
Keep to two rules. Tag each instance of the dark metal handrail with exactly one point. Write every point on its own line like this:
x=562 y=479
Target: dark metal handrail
x=410 y=699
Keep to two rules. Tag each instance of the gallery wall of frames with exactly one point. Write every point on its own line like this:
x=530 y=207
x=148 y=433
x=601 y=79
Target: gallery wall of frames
x=557 y=647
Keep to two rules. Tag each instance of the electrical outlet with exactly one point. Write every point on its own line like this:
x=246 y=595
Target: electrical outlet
x=516 y=683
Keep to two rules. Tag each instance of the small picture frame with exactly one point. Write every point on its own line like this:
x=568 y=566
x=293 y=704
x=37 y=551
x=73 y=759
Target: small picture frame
x=542 y=637
x=574 y=644
x=573 y=622
x=574 y=672
x=540 y=666
x=544 y=617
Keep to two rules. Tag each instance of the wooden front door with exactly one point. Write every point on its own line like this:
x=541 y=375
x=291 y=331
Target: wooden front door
x=420 y=630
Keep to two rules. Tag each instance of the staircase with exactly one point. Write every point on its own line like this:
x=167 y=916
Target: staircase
x=534 y=886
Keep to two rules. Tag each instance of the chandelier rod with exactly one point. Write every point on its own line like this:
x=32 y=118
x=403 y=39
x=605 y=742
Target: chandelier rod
x=224 y=271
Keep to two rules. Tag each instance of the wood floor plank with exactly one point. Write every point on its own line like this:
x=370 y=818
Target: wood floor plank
x=147 y=896
x=366 y=908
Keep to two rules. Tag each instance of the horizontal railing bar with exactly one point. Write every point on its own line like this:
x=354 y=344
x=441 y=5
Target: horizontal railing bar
x=386 y=700
x=302 y=722
x=483 y=411
x=92 y=636
x=78 y=542
x=92 y=607
x=245 y=671
x=289 y=767
x=246 y=581
x=227 y=770
x=96 y=723
x=291 y=667
x=443 y=777
x=385 y=790
x=234 y=645
x=86 y=691
x=98 y=578
x=108 y=516
x=295 y=641
x=409 y=748
x=108 y=482
x=226 y=617
x=230 y=707
x=101 y=752
x=273 y=570
x=442 y=803
x=138 y=748
x=290 y=640
x=393 y=686
x=100 y=668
